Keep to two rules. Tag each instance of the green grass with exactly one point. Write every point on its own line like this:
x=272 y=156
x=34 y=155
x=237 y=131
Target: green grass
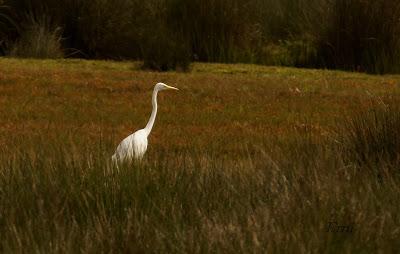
x=238 y=161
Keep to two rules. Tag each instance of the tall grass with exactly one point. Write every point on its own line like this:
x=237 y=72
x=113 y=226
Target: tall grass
x=60 y=195
x=218 y=31
x=240 y=173
x=38 y=39
x=359 y=35
x=163 y=46
x=7 y=24
x=370 y=139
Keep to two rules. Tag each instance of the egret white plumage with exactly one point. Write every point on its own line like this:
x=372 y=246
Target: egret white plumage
x=134 y=146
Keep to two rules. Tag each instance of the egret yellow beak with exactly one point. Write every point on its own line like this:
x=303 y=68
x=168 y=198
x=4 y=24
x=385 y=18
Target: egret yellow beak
x=173 y=88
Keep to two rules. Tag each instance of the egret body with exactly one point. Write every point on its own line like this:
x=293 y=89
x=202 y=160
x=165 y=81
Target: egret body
x=134 y=146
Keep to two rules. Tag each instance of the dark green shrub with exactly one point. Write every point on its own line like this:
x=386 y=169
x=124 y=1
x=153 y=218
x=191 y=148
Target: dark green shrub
x=217 y=30
x=163 y=46
x=106 y=29
x=289 y=53
x=7 y=25
x=91 y=29
x=357 y=35
x=164 y=52
x=353 y=35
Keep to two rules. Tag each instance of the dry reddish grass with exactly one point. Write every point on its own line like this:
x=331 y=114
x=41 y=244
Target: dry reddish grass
x=216 y=102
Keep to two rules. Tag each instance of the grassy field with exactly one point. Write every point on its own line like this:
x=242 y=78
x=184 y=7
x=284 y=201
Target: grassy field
x=243 y=158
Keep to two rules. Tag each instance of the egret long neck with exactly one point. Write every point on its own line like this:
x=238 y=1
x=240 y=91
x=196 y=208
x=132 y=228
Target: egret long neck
x=150 y=124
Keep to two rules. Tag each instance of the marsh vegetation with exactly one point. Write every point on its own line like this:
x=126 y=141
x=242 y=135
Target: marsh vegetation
x=353 y=35
x=245 y=159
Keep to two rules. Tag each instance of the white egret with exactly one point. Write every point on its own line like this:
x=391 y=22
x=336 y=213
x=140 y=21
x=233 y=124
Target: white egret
x=134 y=146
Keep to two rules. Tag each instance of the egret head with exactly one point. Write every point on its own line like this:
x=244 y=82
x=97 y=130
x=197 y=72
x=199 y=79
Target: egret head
x=162 y=86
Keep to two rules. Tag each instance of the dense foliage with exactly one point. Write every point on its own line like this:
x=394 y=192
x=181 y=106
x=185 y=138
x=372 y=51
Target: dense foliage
x=345 y=34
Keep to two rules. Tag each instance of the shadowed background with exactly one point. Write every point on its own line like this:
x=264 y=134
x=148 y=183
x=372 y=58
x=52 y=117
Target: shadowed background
x=354 y=35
